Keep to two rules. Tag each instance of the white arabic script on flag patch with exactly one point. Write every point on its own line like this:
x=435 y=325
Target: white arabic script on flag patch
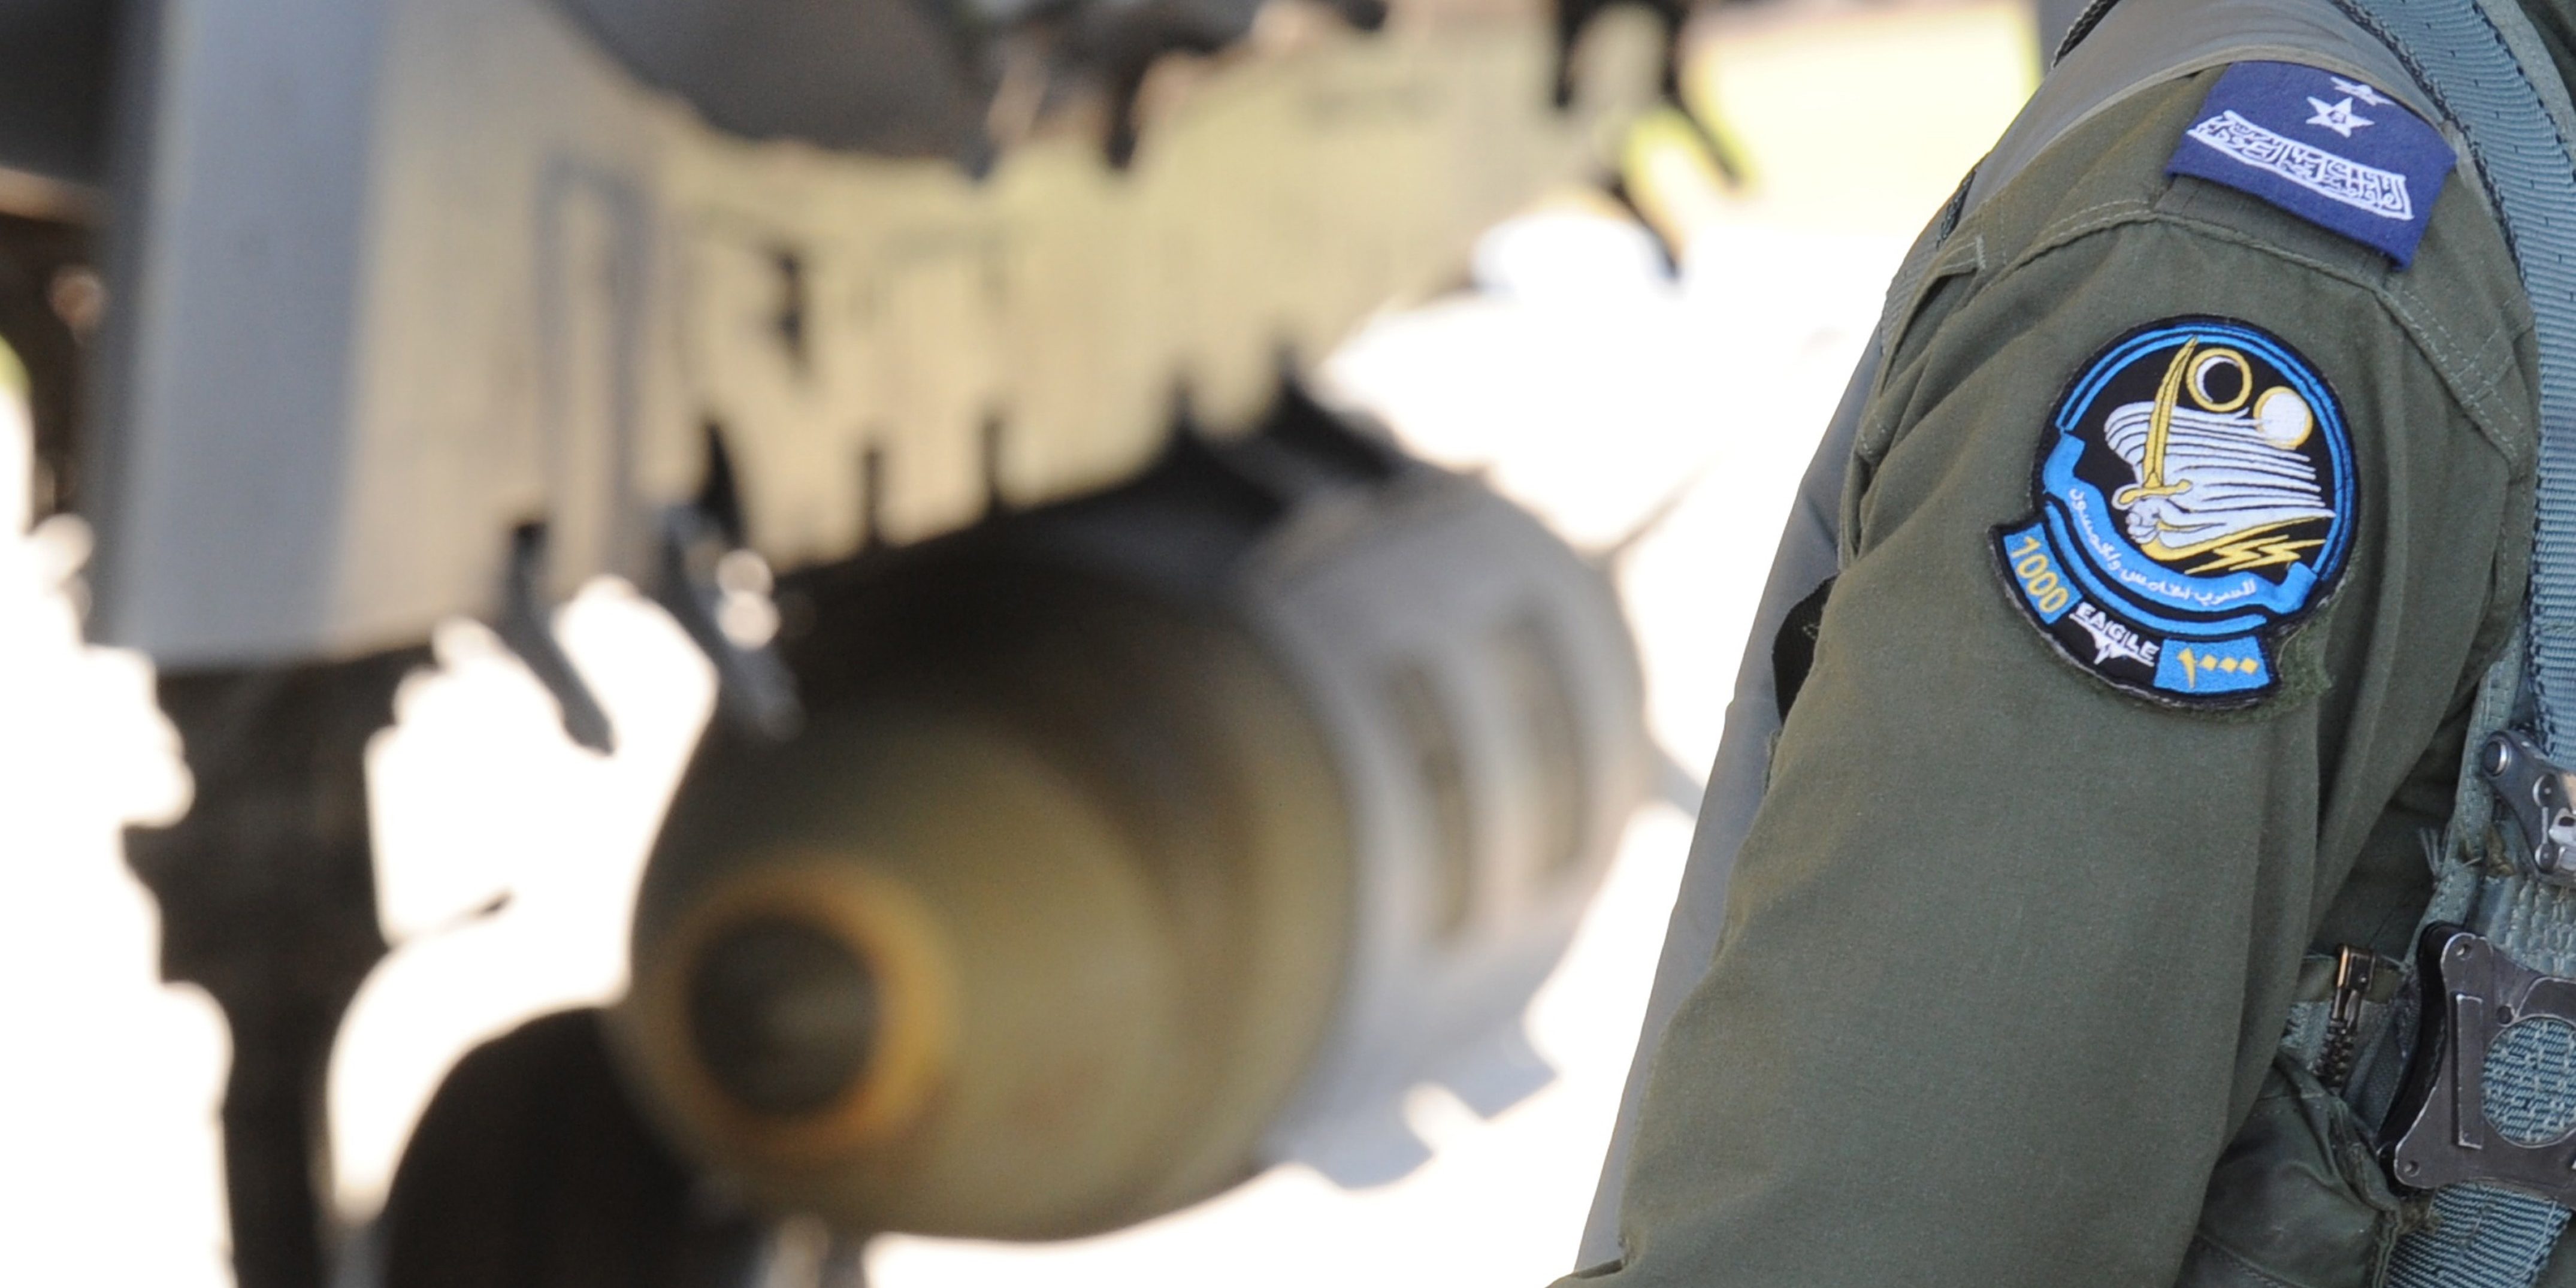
x=2341 y=179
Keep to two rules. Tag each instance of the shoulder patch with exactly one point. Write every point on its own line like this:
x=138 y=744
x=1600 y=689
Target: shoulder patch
x=2331 y=150
x=2193 y=500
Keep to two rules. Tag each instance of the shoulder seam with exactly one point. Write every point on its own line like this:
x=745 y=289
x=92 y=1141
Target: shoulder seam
x=2472 y=373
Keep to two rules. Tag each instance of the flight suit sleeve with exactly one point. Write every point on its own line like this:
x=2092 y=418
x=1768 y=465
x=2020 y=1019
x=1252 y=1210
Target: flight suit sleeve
x=2012 y=937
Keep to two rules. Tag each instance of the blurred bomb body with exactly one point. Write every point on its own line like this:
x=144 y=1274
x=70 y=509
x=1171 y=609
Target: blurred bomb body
x=1169 y=834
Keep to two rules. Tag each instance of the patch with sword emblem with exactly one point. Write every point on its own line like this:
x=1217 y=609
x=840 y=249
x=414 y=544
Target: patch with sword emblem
x=2194 y=499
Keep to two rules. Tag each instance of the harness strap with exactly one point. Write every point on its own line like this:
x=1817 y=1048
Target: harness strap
x=2491 y=78
x=2511 y=109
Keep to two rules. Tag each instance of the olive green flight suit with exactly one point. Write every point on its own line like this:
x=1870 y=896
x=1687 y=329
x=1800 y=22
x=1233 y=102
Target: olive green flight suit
x=2007 y=952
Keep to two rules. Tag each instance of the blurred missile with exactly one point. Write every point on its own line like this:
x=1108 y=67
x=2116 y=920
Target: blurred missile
x=1138 y=843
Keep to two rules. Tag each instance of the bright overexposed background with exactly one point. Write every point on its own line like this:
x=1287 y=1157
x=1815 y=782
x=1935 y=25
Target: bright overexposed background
x=1585 y=377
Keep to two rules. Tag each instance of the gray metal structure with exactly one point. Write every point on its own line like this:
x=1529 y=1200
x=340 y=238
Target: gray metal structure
x=399 y=276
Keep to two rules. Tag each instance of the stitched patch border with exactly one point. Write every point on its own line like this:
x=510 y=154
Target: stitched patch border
x=2194 y=498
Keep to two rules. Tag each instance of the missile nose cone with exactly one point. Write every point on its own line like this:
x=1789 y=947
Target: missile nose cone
x=783 y=1015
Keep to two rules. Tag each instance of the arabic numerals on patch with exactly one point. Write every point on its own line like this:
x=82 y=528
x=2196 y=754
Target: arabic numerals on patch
x=2038 y=574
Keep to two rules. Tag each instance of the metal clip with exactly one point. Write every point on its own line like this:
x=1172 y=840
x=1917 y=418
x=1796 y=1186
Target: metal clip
x=703 y=577
x=2475 y=1000
x=2540 y=798
x=527 y=627
x=2356 y=970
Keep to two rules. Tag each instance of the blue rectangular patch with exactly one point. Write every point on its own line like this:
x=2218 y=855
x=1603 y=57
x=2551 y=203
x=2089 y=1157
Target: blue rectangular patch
x=2331 y=150
x=2211 y=666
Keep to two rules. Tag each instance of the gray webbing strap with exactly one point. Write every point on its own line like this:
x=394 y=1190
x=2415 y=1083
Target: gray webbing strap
x=2463 y=53
x=2487 y=72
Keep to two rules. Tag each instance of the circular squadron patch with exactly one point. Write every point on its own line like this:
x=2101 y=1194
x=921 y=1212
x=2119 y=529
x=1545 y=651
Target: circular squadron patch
x=2194 y=498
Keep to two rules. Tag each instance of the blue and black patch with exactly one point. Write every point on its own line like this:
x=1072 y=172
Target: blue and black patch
x=2194 y=499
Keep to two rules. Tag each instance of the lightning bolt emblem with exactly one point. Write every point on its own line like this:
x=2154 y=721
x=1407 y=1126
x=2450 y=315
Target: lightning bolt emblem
x=2254 y=552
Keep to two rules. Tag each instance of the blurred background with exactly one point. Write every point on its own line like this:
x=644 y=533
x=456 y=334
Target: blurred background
x=1645 y=372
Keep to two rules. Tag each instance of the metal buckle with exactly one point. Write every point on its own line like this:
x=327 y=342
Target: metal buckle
x=2473 y=997
x=2540 y=798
